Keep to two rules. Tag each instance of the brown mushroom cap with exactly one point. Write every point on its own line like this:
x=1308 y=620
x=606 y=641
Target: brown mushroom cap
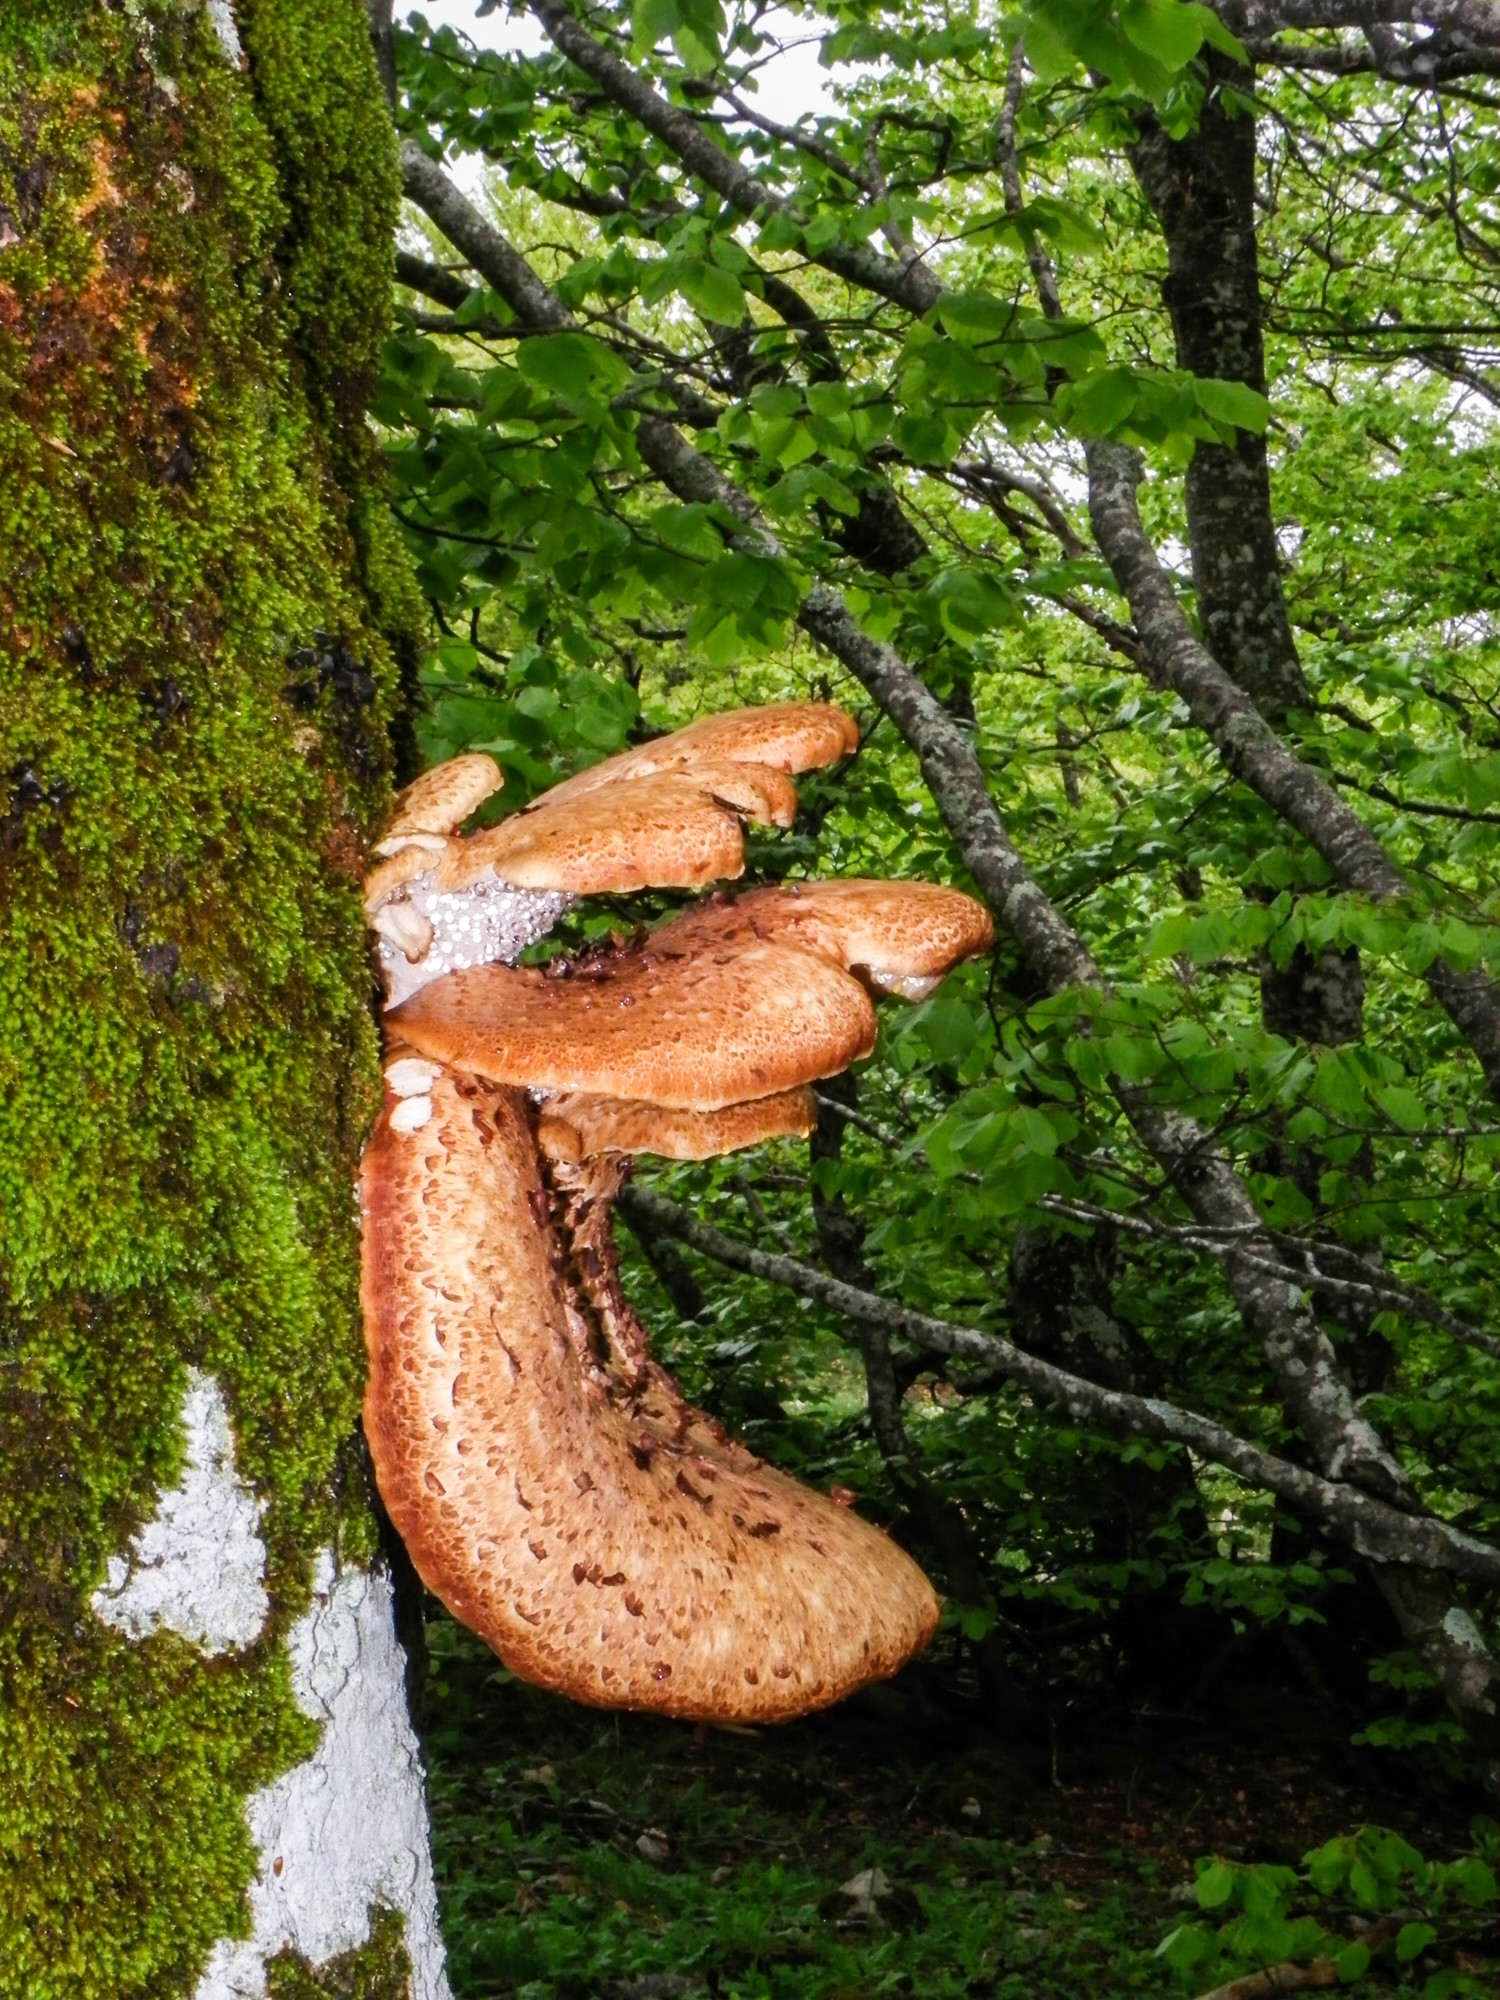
x=604 y=1537
x=576 y=1125
x=787 y=736
x=693 y=1033
x=441 y=799
x=738 y=999
x=888 y=931
x=666 y=815
x=668 y=830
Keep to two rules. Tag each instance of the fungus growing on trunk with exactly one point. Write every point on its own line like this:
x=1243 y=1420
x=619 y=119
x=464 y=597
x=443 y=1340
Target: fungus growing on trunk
x=550 y=1482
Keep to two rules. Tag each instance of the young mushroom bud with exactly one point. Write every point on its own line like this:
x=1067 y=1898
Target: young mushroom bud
x=549 y=1480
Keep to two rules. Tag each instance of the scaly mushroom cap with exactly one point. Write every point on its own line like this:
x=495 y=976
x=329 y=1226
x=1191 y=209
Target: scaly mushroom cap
x=668 y=830
x=894 y=934
x=693 y=1033
x=667 y=815
x=552 y=1487
x=574 y=1125
x=786 y=736
x=736 y=1000
x=441 y=799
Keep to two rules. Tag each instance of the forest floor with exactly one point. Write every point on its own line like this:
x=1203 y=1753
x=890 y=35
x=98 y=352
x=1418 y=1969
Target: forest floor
x=887 y=1848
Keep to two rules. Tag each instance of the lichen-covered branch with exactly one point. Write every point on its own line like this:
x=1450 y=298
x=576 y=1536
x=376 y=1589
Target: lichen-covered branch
x=1464 y=37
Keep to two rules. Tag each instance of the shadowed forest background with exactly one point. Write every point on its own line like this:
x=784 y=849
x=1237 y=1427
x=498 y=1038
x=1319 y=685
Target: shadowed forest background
x=1100 y=402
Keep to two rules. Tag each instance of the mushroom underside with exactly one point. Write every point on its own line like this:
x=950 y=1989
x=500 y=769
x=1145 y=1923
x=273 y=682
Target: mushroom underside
x=552 y=1485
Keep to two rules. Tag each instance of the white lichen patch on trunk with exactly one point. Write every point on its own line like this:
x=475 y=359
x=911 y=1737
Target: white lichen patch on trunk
x=347 y=1830
x=197 y=1567
x=221 y=19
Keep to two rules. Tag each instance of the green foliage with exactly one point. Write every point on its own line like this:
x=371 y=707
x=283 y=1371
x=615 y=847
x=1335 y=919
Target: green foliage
x=1367 y=1903
x=579 y=1853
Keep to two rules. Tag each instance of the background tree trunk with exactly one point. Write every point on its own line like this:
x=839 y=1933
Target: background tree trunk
x=208 y=1783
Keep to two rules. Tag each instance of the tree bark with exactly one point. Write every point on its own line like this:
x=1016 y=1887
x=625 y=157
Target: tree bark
x=207 y=1772
x=1202 y=187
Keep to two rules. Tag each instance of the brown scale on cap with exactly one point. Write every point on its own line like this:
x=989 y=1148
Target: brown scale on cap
x=441 y=799
x=552 y=1485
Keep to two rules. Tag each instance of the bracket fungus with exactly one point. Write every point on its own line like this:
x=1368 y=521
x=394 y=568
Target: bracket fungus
x=550 y=1482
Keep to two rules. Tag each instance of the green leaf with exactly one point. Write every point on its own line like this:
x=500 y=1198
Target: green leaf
x=1232 y=403
x=1364 y=1886
x=1412 y=1940
x=1099 y=403
x=970 y=603
x=977 y=315
x=1214 y=1886
x=1187 y=1947
x=1402 y=1106
x=948 y=1028
x=567 y=363
x=715 y=293
x=1167 y=30
x=652 y=21
x=926 y=440
x=1218 y=36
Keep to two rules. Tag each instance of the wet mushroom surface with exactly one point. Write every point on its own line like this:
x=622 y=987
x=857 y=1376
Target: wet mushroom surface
x=551 y=1484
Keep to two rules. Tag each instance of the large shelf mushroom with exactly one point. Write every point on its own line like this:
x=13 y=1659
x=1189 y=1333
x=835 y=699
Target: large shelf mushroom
x=552 y=1485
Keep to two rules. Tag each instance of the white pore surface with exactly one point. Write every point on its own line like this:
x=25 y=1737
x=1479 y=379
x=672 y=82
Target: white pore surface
x=487 y=921
x=198 y=1566
x=348 y=1828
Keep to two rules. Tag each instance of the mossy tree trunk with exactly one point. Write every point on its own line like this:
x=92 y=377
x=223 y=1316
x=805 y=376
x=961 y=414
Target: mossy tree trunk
x=208 y=1784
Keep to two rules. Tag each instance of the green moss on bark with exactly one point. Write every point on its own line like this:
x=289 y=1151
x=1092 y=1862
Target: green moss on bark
x=198 y=605
x=379 y=1970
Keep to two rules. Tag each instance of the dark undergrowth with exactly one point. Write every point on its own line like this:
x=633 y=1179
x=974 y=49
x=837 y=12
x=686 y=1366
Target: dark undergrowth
x=903 y=1845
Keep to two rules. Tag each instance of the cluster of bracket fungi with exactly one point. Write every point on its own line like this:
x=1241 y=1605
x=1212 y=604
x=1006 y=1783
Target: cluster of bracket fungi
x=553 y=1487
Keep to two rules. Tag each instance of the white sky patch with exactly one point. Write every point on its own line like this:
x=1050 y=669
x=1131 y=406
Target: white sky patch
x=348 y=1828
x=198 y=1566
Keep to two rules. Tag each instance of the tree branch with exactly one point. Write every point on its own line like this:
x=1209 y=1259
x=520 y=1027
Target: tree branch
x=908 y=283
x=1175 y=657
x=1465 y=37
x=1375 y=1529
